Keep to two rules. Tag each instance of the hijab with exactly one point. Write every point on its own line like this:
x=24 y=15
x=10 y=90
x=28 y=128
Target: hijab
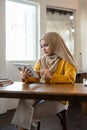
x=58 y=46
x=59 y=50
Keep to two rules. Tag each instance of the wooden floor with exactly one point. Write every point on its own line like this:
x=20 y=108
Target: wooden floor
x=6 y=118
x=76 y=120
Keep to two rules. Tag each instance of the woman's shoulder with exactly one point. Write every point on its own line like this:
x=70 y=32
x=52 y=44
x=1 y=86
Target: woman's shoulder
x=62 y=60
x=66 y=63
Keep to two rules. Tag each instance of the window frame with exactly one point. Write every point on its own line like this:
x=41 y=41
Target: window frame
x=37 y=30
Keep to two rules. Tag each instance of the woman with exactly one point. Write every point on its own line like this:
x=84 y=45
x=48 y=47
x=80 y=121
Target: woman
x=56 y=66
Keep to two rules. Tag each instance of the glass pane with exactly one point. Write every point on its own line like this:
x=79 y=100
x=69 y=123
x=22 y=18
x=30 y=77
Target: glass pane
x=20 y=31
x=62 y=22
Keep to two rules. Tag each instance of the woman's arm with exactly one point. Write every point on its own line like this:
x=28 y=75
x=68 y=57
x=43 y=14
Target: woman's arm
x=65 y=73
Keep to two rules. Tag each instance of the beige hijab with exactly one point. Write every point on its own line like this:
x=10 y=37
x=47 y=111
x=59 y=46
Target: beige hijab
x=55 y=41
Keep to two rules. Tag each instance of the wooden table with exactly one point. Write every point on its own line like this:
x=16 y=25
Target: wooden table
x=71 y=92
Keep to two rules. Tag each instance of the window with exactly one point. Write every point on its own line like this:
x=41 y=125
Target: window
x=21 y=31
x=63 y=22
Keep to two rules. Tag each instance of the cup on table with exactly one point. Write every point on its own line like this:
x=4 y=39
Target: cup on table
x=85 y=81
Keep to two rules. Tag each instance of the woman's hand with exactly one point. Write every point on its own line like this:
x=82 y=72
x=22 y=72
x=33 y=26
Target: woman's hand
x=46 y=73
x=25 y=73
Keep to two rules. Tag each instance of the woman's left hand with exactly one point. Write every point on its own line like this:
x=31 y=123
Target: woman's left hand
x=46 y=73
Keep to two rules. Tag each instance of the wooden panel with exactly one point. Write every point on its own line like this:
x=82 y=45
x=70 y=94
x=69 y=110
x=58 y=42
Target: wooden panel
x=80 y=77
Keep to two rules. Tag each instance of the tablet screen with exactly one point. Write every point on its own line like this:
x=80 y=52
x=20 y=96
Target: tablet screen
x=21 y=65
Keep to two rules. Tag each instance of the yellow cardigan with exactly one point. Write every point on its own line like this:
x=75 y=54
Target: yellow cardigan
x=65 y=73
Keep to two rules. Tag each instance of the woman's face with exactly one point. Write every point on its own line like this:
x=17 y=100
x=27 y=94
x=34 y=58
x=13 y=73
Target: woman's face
x=45 y=48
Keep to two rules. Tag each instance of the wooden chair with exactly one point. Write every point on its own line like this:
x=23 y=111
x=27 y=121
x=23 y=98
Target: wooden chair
x=63 y=119
x=62 y=115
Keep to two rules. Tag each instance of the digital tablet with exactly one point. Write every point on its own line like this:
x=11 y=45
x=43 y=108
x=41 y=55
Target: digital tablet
x=21 y=65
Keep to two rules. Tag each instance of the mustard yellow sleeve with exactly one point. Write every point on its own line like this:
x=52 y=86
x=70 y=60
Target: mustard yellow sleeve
x=65 y=73
x=37 y=66
x=31 y=80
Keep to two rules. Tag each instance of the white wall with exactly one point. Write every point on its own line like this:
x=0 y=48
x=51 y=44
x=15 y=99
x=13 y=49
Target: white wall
x=2 y=37
x=83 y=33
x=2 y=49
x=11 y=71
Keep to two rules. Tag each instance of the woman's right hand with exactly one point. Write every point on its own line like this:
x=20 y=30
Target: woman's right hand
x=25 y=73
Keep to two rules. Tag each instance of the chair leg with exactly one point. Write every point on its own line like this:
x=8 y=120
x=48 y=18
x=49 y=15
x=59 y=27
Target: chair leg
x=38 y=126
x=63 y=116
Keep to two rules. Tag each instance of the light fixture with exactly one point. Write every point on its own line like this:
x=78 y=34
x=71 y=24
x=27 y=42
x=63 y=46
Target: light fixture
x=72 y=29
x=71 y=17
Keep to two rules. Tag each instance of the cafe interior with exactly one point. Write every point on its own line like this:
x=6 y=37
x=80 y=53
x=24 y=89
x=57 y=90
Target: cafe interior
x=25 y=21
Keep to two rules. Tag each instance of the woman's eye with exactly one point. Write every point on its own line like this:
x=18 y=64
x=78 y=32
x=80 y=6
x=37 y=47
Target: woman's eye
x=41 y=46
x=45 y=45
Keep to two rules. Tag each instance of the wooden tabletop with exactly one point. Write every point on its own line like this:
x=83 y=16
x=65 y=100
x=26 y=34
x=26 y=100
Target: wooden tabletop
x=76 y=92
